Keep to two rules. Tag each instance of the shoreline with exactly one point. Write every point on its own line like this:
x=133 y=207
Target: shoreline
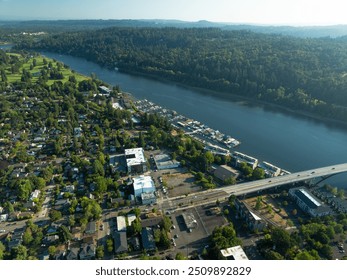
x=249 y=101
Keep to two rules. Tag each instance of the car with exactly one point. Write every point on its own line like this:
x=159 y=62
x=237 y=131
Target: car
x=176 y=236
x=342 y=251
x=2 y=230
x=173 y=227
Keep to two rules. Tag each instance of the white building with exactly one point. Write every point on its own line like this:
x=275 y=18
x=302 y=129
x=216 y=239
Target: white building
x=240 y=157
x=121 y=223
x=131 y=218
x=164 y=161
x=270 y=169
x=136 y=162
x=143 y=184
x=234 y=253
x=34 y=194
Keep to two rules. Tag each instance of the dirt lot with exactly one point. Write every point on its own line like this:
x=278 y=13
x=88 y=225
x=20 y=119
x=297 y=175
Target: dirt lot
x=180 y=183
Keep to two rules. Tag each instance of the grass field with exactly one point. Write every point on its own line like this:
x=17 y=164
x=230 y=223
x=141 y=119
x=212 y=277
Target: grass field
x=35 y=71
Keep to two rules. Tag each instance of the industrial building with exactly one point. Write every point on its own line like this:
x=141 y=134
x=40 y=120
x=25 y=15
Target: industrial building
x=164 y=161
x=225 y=172
x=136 y=161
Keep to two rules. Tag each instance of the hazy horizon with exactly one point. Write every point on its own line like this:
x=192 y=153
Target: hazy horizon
x=253 y=12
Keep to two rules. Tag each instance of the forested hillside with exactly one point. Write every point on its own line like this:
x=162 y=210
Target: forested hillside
x=309 y=75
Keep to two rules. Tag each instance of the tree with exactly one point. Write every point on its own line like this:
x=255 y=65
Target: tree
x=2 y=251
x=19 y=253
x=55 y=215
x=259 y=203
x=258 y=174
x=99 y=254
x=27 y=237
x=281 y=240
x=52 y=250
x=109 y=245
x=98 y=168
x=65 y=234
x=180 y=256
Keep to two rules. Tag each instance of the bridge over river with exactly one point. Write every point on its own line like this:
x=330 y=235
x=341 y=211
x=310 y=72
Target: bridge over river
x=260 y=185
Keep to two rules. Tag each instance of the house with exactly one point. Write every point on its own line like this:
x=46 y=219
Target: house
x=225 y=172
x=62 y=205
x=135 y=243
x=3 y=217
x=151 y=222
x=309 y=203
x=254 y=222
x=131 y=218
x=91 y=228
x=87 y=252
x=51 y=239
x=135 y=159
x=147 y=238
x=72 y=254
x=120 y=242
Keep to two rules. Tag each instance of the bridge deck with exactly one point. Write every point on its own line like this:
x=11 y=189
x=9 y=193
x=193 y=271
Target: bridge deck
x=259 y=185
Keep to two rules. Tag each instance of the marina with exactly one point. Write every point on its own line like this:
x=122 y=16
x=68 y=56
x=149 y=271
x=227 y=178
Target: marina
x=213 y=140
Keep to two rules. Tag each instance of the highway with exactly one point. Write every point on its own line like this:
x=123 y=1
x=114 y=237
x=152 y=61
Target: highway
x=259 y=185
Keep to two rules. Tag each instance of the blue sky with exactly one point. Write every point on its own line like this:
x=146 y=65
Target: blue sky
x=278 y=12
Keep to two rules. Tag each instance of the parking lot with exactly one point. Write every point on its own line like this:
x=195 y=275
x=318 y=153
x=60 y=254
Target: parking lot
x=188 y=242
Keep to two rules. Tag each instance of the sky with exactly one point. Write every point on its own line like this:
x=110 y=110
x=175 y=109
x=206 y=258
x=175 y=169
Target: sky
x=267 y=12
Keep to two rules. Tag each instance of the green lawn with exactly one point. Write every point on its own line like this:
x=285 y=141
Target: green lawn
x=37 y=69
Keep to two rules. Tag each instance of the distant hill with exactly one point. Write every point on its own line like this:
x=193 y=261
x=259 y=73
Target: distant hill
x=74 y=25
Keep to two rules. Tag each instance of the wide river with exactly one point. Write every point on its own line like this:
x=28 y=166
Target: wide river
x=291 y=142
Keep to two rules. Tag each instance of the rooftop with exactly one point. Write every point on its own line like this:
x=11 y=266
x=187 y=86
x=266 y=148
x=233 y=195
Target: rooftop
x=235 y=253
x=134 y=156
x=143 y=183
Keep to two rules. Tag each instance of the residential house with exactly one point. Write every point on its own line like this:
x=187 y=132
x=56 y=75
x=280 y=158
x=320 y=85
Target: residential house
x=72 y=254
x=120 y=242
x=91 y=228
x=87 y=252
x=147 y=238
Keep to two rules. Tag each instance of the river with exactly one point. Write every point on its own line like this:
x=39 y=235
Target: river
x=291 y=142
